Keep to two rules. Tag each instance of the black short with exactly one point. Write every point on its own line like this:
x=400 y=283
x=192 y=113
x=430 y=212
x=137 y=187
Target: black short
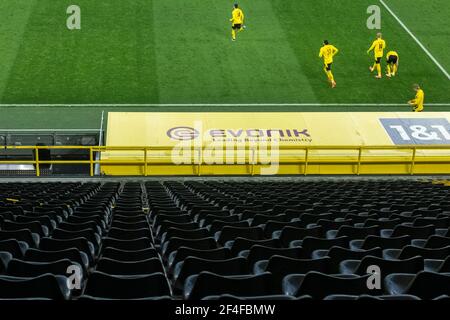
x=328 y=66
x=378 y=60
x=392 y=59
x=236 y=26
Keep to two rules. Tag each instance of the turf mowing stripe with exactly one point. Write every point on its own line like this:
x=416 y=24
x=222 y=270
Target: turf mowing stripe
x=14 y=21
x=415 y=39
x=228 y=105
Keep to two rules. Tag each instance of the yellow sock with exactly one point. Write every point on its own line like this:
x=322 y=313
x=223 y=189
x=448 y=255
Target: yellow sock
x=394 y=71
x=233 y=34
x=374 y=65
x=379 y=69
x=326 y=72
x=389 y=69
x=330 y=76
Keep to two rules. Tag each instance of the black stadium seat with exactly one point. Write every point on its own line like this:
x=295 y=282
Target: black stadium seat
x=441 y=223
x=338 y=254
x=289 y=234
x=210 y=218
x=273 y=297
x=116 y=267
x=25 y=235
x=280 y=267
x=309 y=244
x=14 y=247
x=421 y=232
x=103 y=285
x=376 y=241
x=218 y=225
x=333 y=224
x=201 y=244
x=73 y=254
x=25 y=269
x=193 y=265
x=207 y=284
x=129 y=234
x=426 y=285
x=433 y=242
x=212 y=254
x=440 y=266
x=131 y=245
x=262 y=219
x=187 y=234
x=341 y=297
x=75 y=227
x=319 y=285
x=272 y=226
x=129 y=225
x=353 y=232
x=129 y=255
x=383 y=224
x=260 y=252
x=159 y=219
x=46 y=286
x=240 y=244
x=231 y=233
x=412 y=251
x=163 y=226
x=81 y=244
x=33 y=226
x=360 y=267
x=5 y=258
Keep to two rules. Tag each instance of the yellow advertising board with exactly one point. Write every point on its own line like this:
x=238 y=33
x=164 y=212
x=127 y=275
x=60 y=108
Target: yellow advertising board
x=216 y=143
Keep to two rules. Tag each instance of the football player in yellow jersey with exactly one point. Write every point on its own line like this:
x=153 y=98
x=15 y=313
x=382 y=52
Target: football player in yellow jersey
x=377 y=46
x=327 y=52
x=392 y=60
x=417 y=102
x=237 y=21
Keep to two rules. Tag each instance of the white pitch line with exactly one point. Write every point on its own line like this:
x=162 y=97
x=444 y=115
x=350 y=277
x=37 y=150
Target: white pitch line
x=226 y=105
x=417 y=40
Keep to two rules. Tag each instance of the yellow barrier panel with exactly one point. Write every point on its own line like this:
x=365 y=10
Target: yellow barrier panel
x=244 y=143
x=405 y=159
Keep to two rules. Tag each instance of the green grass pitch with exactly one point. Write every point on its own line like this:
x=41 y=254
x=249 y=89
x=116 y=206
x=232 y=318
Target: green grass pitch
x=173 y=51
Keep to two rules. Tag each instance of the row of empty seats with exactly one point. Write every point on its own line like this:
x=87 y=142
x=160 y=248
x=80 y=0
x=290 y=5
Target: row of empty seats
x=223 y=239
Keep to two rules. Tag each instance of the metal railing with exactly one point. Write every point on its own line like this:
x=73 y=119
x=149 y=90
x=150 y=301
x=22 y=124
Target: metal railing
x=308 y=158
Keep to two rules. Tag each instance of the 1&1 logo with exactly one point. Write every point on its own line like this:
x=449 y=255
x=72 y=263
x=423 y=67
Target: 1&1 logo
x=417 y=130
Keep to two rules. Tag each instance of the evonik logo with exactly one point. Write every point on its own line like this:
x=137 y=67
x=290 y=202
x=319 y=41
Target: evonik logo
x=256 y=133
x=189 y=133
x=183 y=133
x=198 y=146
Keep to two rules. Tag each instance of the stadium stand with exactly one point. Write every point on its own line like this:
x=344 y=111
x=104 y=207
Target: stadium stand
x=225 y=239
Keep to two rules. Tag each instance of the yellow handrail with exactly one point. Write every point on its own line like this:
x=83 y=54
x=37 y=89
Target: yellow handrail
x=306 y=160
x=246 y=147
